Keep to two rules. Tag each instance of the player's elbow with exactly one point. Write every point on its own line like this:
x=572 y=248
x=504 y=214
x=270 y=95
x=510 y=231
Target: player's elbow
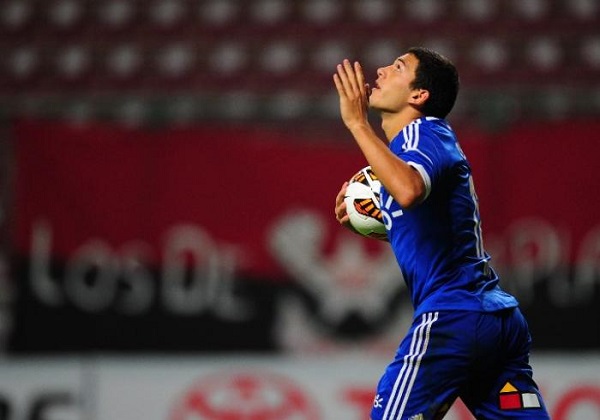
x=408 y=196
x=409 y=200
x=406 y=186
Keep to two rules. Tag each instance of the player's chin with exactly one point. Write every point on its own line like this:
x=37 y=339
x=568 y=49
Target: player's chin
x=379 y=106
x=373 y=99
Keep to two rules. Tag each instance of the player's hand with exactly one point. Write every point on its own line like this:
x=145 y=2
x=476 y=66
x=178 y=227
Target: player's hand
x=340 y=207
x=353 y=92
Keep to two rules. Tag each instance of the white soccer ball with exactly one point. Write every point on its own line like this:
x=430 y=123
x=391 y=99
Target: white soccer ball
x=362 y=204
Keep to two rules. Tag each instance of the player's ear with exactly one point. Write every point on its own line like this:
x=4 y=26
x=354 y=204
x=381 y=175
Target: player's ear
x=419 y=96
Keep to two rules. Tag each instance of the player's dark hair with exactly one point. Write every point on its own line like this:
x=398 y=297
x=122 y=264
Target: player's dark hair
x=438 y=75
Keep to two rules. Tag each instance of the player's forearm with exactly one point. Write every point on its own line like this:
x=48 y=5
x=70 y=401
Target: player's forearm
x=399 y=178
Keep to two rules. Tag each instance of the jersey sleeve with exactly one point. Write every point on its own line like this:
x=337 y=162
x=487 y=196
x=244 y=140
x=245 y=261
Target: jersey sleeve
x=420 y=149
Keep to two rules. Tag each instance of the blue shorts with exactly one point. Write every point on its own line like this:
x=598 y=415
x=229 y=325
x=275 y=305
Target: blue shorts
x=483 y=358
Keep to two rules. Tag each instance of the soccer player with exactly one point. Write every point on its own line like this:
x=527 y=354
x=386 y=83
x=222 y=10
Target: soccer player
x=468 y=338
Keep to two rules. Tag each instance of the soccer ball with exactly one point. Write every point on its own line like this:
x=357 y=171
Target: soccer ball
x=362 y=204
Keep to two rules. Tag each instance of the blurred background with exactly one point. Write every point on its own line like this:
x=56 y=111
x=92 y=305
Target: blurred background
x=168 y=172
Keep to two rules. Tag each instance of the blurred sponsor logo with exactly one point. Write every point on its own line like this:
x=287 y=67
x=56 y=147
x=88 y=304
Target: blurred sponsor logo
x=245 y=396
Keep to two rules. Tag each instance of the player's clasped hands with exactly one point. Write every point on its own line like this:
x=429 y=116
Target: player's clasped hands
x=353 y=92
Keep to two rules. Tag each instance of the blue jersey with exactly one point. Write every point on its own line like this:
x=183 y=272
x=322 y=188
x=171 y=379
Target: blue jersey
x=438 y=243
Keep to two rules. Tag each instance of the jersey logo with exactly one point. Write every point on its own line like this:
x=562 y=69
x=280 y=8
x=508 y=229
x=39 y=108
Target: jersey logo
x=377 y=401
x=387 y=215
x=510 y=398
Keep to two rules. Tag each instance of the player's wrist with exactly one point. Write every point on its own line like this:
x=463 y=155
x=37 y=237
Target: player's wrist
x=360 y=129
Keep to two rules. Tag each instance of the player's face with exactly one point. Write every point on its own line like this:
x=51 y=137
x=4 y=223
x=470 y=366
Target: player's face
x=392 y=89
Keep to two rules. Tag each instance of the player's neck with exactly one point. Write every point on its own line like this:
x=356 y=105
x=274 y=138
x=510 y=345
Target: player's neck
x=393 y=123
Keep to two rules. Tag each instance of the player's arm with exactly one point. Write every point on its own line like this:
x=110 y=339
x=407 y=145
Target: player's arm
x=400 y=179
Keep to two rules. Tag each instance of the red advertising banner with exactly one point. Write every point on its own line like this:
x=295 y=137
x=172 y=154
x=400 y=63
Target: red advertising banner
x=198 y=223
x=122 y=185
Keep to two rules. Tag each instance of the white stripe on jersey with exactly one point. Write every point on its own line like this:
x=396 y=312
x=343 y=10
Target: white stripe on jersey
x=410 y=368
x=426 y=179
x=412 y=138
